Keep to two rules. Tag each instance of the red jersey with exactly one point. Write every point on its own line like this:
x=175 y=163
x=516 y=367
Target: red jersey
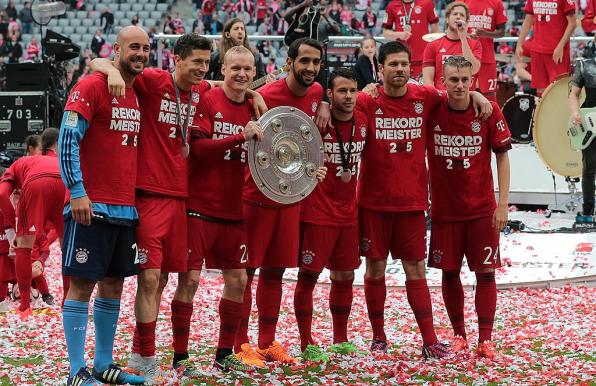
x=162 y=169
x=278 y=94
x=393 y=174
x=527 y=52
x=420 y=13
x=459 y=159
x=333 y=202
x=550 y=22
x=4 y=245
x=27 y=169
x=114 y=124
x=486 y=15
x=438 y=51
x=216 y=178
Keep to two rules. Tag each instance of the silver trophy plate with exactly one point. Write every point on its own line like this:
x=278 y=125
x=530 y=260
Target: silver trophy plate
x=284 y=164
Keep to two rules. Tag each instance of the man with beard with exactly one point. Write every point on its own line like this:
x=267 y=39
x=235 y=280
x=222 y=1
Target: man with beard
x=214 y=206
x=273 y=228
x=329 y=221
x=393 y=192
x=100 y=219
x=466 y=219
x=455 y=42
x=167 y=112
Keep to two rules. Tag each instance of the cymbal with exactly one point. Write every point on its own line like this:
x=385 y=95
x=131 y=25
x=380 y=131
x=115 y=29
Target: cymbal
x=433 y=36
x=510 y=58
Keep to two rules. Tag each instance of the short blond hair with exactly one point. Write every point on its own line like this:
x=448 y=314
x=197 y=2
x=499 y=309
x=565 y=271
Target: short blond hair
x=450 y=7
x=238 y=50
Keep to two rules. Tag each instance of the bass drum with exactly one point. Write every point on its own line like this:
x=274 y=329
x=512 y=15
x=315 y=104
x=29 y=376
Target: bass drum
x=519 y=114
x=550 y=130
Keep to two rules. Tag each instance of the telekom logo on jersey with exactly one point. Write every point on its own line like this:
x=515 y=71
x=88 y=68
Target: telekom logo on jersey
x=125 y=119
x=457 y=145
x=168 y=112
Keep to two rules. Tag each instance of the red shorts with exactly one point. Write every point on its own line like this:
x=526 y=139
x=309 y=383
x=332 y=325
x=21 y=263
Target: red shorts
x=334 y=248
x=476 y=239
x=7 y=273
x=220 y=245
x=545 y=71
x=415 y=70
x=401 y=233
x=272 y=236
x=41 y=203
x=487 y=78
x=161 y=234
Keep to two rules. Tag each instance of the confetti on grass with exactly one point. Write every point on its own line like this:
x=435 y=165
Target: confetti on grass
x=543 y=337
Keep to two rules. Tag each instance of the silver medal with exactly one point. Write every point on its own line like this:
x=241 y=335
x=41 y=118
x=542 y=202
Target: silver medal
x=407 y=28
x=346 y=175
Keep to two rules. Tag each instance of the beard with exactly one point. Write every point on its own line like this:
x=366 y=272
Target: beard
x=301 y=80
x=126 y=66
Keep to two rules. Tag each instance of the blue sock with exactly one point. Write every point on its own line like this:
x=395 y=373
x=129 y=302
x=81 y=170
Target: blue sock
x=75 y=316
x=105 y=318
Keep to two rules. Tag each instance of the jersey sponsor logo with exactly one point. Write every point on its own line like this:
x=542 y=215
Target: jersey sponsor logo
x=437 y=256
x=82 y=255
x=419 y=107
x=307 y=257
x=328 y=136
x=457 y=145
x=365 y=244
x=475 y=126
x=501 y=125
x=75 y=96
x=379 y=111
x=114 y=101
x=218 y=115
x=72 y=118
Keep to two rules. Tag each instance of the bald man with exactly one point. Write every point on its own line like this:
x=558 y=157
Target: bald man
x=100 y=220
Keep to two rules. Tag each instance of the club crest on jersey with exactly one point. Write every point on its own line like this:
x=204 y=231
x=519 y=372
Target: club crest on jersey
x=364 y=244
x=143 y=255
x=418 y=107
x=363 y=130
x=313 y=106
x=82 y=255
x=490 y=12
x=195 y=97
x=307 y=257
x=418 y=10
x=475 y=126
x=437 y=256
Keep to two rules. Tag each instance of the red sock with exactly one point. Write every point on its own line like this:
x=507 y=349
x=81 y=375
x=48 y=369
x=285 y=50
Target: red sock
x=303 y=306
x=135 y=342
x=453 y=295
x=181 y=315
x=375 y=292
x=340 y=303
x=146 y=333
x=269 y=292
x=41 y=284
x=242 y=332
x=22 y=265
x=486 y=304
x=229 y=318
x=3 y=290
x=419 y=299
x=65 y=287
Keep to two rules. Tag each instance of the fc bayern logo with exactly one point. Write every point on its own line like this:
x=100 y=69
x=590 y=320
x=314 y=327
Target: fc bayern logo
x=418 y=108
x=475 y=126
x=143 y=255
x=364 y=244
x=307 y=257
x=363 y=131
x=195 y=97
x=418 y=10
x=82 y=255
x=314 y=106
x=437 y=256
x=490 y=12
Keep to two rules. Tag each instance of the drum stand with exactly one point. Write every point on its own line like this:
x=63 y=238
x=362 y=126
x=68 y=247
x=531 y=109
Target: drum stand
x=572 y=203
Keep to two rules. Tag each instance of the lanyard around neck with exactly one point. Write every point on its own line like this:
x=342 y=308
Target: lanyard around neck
x=183 y=128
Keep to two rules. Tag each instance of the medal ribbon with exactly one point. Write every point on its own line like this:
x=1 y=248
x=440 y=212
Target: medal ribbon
x=183 y=128
x=408 y=15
